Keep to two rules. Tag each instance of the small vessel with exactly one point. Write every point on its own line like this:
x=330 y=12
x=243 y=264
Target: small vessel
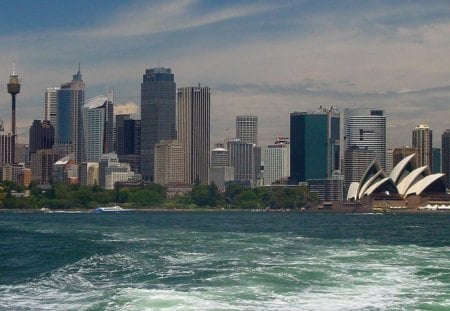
x=111 y=209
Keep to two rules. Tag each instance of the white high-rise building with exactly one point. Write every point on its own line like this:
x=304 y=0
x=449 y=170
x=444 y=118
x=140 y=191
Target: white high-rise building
x=193 y=131
x=366 y=128
x=277 y=161
x=247 y=129
x=242 y=159
x=95 y=115
x=422 y=140
x=50 y=102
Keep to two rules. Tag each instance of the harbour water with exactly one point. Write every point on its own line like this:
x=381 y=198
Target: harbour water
x=224 y=261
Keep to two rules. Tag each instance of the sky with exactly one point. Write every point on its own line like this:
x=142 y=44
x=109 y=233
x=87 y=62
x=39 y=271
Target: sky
x=266 y=58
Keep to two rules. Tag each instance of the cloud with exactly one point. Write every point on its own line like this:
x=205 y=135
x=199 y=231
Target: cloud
x=169 y=16
x=127 y=108
x=264 y=58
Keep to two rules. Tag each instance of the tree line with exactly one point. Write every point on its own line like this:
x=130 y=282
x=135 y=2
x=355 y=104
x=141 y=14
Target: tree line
x=66 y=196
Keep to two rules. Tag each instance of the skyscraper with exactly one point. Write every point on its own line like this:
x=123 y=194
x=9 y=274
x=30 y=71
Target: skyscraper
x=69 y=127
x=6 y=146
x=364 y=127
x=169 y=162
x=400 y=153
x=247 y=129
x=193 y=131
x=422 y=140
x=314 y=140
x=276 y=161
x=97 y=115
x=436 y=156
x=445 y=154
x=357 y=159
x=50 y=104
x=128 y=141
x=219 y=156
x=242 y=160
x=42 y=136
x=158 y=106
x=220 y=170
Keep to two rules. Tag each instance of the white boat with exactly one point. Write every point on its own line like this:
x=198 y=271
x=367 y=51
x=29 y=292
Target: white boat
x=111 y=209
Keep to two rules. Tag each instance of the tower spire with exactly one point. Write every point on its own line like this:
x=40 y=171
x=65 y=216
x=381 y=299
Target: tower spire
x=13 y=87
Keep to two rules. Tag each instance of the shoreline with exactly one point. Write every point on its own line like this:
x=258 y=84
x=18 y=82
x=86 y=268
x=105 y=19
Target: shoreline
x=312 y=210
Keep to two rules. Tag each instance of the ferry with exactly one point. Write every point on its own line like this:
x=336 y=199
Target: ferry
x=112 y=209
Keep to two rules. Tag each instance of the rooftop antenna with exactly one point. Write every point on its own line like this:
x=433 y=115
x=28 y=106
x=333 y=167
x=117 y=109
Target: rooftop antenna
x=158 y=63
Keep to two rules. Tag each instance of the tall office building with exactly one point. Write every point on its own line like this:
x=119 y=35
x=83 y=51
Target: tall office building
x=242 y=159
x=400 y=153
x=277 y=161
x=436 y=156
x=97 y=116
x=314 y=145
x=220 y=171
x=364 y=127
x=42 y=136
x=158 y=106
x=193 y=131
x=42 y=165
x=6 y=146
x=356 y=161
x=128 y=141
x=69 y=127
x=50 y=104
x=169 y=162
x=422 y=140
x=219 y=156
x=120 y=139
x=247 y=129
x=445 y=154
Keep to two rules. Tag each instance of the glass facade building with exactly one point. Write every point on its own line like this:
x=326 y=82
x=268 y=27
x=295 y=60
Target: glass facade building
x=97 y=132
x=69 y=127
x=158 y=106
x=314 y=145
x=366 y=128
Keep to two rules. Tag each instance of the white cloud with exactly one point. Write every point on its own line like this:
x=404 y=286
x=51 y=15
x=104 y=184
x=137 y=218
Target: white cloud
x=168 y=16
x=127 y=108
x=358 y=61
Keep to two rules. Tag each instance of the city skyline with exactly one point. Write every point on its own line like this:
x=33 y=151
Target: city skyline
x=285 y=57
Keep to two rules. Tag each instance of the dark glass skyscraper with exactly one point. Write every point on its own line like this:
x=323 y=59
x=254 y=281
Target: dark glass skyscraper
x=314 y=139
x=42 y=136
x=128 y=141
x=69 y=128
x=158 y=106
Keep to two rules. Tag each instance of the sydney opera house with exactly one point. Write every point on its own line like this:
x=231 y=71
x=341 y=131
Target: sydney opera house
x=407 y=186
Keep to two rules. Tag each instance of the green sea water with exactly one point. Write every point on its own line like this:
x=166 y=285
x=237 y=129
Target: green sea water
x=224 y=261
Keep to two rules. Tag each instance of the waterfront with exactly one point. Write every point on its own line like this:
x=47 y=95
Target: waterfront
x=224 y=261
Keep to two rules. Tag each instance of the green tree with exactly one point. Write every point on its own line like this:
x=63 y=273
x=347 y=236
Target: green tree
x=145 y=197
x=247 y=199
x=199 y=195
x=231 y=192
x=214 y=197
